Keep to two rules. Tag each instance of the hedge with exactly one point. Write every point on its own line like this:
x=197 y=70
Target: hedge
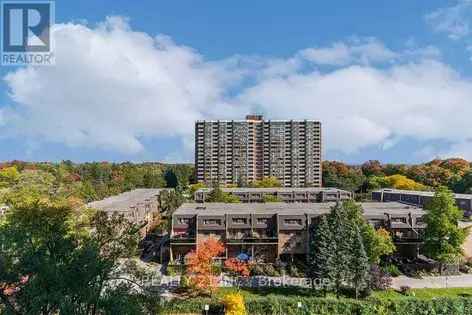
x=279 y=305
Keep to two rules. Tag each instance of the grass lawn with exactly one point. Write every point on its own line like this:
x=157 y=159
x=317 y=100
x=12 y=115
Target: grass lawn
x=384 y=295
x=425 y=293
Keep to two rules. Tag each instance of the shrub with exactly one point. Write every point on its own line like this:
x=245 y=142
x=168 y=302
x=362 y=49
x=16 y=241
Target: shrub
x=270 y=271
x=294 y=272
x=184 y=282
x=379 y=280
x=217 y=269
x=234 y=304
x=257 y=270
x=392 y=270
x=276 y=305
x=174 y=270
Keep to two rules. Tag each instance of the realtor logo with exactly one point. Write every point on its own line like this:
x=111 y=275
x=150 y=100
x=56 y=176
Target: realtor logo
x=26 y=32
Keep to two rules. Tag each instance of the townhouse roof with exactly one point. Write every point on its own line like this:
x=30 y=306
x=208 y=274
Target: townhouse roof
x=125 y=201
x=420 y=193
x=369 y=208
x=275 y=189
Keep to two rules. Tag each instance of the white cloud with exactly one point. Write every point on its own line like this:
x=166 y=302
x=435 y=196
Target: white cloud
x=362 y=105
x=462 y=149
x=111 y=86
x=455 y=20
x=363 y=51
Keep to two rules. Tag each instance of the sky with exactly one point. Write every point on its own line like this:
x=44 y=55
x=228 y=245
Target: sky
x=389 y=80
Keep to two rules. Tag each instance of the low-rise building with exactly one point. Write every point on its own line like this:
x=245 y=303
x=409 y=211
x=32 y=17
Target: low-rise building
x=419 y=198
x=283 y=194
x=267 y=231
x=138 y=206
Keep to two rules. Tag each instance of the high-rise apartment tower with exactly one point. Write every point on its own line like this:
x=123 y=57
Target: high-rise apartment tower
x=241 y=151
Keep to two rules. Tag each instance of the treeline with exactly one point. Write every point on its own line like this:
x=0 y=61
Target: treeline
x=86 y=182
x=454 y=173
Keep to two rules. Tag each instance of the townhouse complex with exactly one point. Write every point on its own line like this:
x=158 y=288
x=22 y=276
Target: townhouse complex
x=139 y=206
x=420 y=198
x=242 y=151
x=282 y=194
x=267 y=231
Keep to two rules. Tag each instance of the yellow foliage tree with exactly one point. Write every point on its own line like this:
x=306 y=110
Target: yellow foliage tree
x=234 y=304
x=402 y=182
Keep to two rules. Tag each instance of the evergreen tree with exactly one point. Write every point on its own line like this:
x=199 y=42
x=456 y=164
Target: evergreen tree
x=216 y=195
x=322 y=249
x=337 y=251
x=341 y=239
x=377 y=243
x=359 y=266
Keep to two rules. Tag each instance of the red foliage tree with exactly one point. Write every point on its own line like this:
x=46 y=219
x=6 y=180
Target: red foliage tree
x=237 y=267
x=200 y=266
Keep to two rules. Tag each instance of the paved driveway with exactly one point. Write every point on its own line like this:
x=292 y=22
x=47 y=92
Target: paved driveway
x=433 y=282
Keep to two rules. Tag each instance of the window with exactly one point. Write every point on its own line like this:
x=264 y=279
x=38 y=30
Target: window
x=183 y=220
x=262 y=220
x=399 y=220
x=212 y=222
x=293 y=221
x=420 y=220
x=376 y=222
x=240 y=220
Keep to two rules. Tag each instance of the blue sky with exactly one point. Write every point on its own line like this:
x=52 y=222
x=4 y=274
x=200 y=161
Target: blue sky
x=388 y=79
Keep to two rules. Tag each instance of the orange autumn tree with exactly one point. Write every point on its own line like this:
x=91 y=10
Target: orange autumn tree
x=237 y=267
x=200 y=266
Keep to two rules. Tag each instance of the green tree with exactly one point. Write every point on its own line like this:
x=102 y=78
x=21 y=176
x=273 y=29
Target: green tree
x=218 y=195
x=341 y=232
x=359 y=263
x=179 y=175
x=321 y=253
x=337 y=251
x=377 y=243
x=194 y=187
x=57 y=265
x=87 y=192
x=267 y=182
x=376 y=182
x=340 y=175
x=9 y=176
x=463 y=184
x=443 y=237
x=153 y=178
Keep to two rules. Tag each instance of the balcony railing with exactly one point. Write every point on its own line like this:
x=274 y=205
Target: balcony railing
x=252 y=240
x=183 y=239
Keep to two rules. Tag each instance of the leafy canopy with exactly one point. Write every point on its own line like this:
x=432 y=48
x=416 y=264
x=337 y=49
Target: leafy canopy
x=55 y=260
x=443 y=237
